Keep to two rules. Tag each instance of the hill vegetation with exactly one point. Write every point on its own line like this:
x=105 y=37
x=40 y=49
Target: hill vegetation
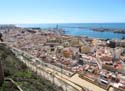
x=18 y=72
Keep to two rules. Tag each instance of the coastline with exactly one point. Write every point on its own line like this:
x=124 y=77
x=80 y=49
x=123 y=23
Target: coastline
x=94 y=30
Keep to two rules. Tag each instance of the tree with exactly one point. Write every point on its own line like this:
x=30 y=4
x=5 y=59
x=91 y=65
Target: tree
x=1 y=37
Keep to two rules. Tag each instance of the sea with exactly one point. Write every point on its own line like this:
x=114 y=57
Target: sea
x=83 y=29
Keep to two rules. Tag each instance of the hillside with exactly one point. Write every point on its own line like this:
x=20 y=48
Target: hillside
x=17 y=71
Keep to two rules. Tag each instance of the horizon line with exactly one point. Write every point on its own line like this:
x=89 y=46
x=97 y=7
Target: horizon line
x=56 y=23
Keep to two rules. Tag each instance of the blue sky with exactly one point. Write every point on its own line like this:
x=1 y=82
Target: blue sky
x=61 y=11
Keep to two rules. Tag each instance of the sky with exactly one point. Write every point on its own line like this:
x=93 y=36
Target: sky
x=61 y=11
